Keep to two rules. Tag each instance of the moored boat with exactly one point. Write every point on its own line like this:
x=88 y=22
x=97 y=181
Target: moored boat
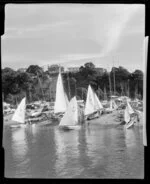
x=93 y=106
x=71 y=119
x=19 y=115
x=61 y=100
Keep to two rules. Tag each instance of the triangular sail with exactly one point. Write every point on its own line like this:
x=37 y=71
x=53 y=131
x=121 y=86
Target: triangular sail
x=89 y=105
x=114 y=105
x=67 y=101
x=98 y=104
x=61 y=100
x=131 y=111
x=19 y=114
x=70 y=117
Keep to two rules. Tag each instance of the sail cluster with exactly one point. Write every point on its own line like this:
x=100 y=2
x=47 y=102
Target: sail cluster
x=92 y=102
x=71 y=115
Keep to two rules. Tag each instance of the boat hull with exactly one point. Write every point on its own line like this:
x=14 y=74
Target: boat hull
x=93 y=116
x=18 y=125
x=75 y=127
x=130 y=124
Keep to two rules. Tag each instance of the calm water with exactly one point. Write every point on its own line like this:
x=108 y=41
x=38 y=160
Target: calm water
x=96 y=151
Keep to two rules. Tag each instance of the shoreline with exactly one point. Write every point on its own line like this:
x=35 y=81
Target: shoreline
x=106 y=119
x=110 y=119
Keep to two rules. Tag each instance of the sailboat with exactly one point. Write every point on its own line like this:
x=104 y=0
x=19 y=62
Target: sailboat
x=19 y=115
x=113 y=106
x=61 y=101
x=89 y=105
x=70 y=120
x=128 y=118
x=131 y=111
x=92 y=105
x=98 y=104
x=126 y=115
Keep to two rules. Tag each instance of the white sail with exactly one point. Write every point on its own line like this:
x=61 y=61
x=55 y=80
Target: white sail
x=61 y=100
x=111 y=105
x=90 y=102
x=126 y=115
x=19 y=114
x=67 y=101
x=114 y=105
x=70 y=117
x=130 y=110
x=98 y=104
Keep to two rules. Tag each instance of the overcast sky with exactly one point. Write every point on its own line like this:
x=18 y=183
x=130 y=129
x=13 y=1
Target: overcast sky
x=72 y=34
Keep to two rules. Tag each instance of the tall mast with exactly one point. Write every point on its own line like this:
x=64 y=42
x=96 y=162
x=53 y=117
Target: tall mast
x=114 y=79
x=128 y=88
x=105 y=94
x=41 y=87
x=109 y=83
x=68 y=86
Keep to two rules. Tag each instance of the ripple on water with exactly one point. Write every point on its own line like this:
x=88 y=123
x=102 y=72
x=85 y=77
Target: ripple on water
x=92 y=152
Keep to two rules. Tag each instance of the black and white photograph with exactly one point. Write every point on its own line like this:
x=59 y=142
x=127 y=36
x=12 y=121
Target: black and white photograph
x=73 y=90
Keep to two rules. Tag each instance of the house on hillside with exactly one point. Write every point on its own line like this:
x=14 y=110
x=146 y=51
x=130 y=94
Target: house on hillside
x=22 y=69
x=73 y=69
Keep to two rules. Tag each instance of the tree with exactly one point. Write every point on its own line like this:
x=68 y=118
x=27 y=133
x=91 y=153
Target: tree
x=8 y=82
x=55 y=69
x=137 y=82
x=89 y=65
x=35 y=70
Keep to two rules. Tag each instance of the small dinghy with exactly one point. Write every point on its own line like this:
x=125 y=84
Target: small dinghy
x=127 y=116
x=70 y=120
x=19 y=115
x=93 y=106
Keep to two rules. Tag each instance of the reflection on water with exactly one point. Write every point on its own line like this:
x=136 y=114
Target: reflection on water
x=91 y=152
x=130 y=138
x=19 y=143
x=96 y=148
x=67 y=153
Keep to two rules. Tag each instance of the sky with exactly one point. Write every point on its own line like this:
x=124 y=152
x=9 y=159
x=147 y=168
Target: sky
x=73 y=34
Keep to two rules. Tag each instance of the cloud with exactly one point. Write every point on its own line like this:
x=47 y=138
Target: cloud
x=66 y=32
x=32 y=31
x=114 y=26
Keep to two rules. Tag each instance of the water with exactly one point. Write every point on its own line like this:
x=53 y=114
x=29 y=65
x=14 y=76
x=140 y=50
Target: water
x=96 y=151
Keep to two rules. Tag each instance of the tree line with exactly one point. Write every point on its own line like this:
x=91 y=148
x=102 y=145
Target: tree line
x=37 y=84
